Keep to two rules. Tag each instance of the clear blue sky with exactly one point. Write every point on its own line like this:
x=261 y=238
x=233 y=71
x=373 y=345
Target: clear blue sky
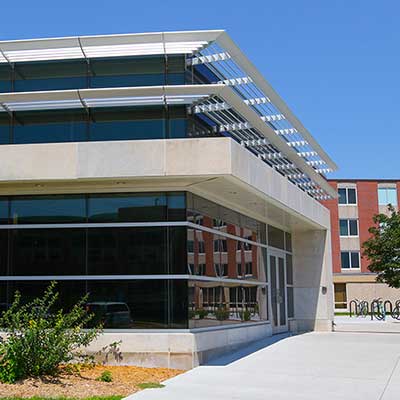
x=335 y=62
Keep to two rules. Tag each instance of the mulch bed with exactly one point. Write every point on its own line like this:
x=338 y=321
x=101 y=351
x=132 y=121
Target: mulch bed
x=84 y=384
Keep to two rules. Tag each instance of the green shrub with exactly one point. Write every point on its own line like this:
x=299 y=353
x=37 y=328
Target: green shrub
x=202 y=313
x=245 y=315
x=221 y=313
x=106 y=376
x=38 y=340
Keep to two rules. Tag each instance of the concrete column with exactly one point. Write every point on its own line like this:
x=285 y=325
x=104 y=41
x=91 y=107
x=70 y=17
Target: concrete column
x=313 y=287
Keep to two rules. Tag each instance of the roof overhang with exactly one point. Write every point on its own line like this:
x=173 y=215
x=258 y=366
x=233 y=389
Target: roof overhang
x=179 y=94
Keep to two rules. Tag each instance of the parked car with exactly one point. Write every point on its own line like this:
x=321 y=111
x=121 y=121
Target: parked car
x=110 y=314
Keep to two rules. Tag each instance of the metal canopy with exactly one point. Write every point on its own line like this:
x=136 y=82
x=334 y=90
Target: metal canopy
x=245 y=107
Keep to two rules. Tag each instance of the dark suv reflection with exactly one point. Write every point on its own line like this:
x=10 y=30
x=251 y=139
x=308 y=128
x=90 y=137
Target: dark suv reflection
x=110 y=314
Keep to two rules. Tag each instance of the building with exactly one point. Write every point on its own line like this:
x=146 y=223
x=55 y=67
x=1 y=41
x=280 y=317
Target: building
x=351 y=217
x=161 y=174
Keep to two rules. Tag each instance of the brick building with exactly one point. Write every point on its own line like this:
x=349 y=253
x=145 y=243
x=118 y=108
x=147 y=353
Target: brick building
x=351 y=216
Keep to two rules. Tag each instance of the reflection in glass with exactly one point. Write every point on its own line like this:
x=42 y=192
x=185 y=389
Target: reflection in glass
x=224 y=257
x=48 y=209
x=152 y=304
x=133 y=304
x=128 y=207
x=211 y=303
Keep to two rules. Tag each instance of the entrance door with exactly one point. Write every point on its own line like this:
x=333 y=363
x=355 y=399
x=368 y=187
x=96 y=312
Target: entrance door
x=278 y=291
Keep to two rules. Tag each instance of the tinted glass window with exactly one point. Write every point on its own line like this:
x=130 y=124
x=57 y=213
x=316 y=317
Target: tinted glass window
x=123 y=72
x=70 y=292
x=288 y=241
x=290 y=299
x=177 y=250
x=344 y=227
x=5 y=78
x=50 y=75
x=276 y=237
x=127 y=207
x=353 y=227
x=345 y=259
x=127 y=123
x=224 y=257
x=3 y=211
x=215 y=304
x=127 y=251
x=47 y=252
x=351 y=194
x=342 y=196
x=149 y=304
x=355 y=259
x=289 y=271
x=50 y=126
x=5 y=128
x=48 y=209
x=3 y=251
x=176 y=206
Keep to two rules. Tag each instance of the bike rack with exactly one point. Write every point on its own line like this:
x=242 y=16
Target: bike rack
x=373 y=309
x=354 y=302
x=390 y=306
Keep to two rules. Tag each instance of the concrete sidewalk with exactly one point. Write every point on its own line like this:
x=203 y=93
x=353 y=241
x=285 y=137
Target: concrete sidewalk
x=328 y=366
x=359 y=324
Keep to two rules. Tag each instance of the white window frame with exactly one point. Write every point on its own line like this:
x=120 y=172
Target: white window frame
x=348 y=228
x=347 y=196
x=350 y=263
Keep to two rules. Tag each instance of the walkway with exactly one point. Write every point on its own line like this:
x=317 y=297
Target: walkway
x=360 y=324
x=329 y=366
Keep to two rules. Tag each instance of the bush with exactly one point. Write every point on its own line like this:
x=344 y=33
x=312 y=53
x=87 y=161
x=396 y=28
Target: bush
x=245 y=315
x=202 y=313
x=221 y=314
x=37 y=340
x=106 y=376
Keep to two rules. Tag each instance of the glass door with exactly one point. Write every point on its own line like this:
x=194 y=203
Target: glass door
x=278 y=291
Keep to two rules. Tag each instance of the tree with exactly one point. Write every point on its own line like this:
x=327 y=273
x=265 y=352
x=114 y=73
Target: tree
x=383 y=248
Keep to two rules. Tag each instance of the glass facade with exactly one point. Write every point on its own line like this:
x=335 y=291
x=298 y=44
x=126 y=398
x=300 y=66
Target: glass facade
x=147 y=260
x=100 y=124
x=97 y=73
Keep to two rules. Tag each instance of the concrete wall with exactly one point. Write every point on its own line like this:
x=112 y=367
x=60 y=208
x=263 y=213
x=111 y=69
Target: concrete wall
x=212 y=164
x=371 y=291
x=182 y=350
x=313 y=287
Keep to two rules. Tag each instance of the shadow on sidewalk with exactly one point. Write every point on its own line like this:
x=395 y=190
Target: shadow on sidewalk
x=229 y=358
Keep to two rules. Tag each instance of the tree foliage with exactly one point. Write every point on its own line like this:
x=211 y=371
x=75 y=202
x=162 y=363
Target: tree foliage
x=383 y=248
x=37 y=339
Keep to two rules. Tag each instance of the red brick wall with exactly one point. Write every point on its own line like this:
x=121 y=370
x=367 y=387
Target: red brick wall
x=398 y=195
x=333 y=207
x=367 y=193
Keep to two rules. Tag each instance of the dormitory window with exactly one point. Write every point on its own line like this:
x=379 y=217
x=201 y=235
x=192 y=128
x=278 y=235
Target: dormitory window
x=348 y=227
x=347 y=196
x=350 y=259
x=387 y=196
